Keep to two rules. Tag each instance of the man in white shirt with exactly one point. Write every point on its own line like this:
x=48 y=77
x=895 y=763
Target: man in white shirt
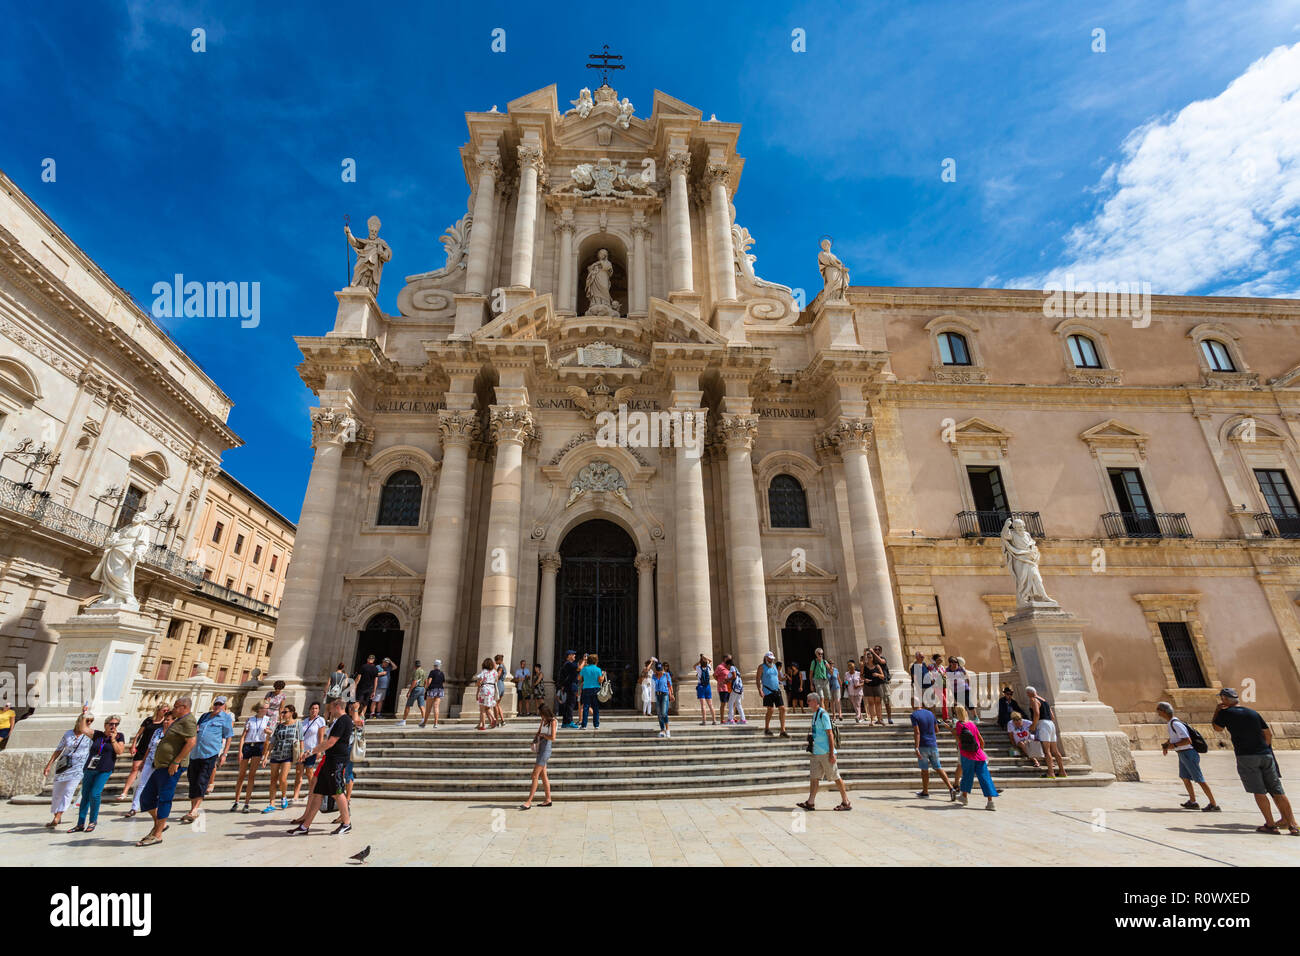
x=521 y=674
x=1189 y=761
x=1021 y=733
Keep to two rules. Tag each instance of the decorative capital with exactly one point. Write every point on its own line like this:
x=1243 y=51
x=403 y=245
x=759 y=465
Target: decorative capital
x=490 y=165
x=679 y=163
x=716 y=173
x=457 y=427
x=512 y=423
x=645 y=561
x=738 y=431
x=333 y=426
x=530 y=157
x=850 y=434
x=550 y=562
x=565 y=228
x=641 y=231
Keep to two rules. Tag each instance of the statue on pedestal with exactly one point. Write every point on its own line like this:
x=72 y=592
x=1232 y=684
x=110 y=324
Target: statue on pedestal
x=1021 y=554
x=372 y=253
x=116 y=571
x=835 y=277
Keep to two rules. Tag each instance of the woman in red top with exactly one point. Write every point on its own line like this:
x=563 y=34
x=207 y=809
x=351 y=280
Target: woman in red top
x=974 y=761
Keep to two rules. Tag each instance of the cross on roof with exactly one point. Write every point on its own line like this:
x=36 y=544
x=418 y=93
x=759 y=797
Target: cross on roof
x=605 y=66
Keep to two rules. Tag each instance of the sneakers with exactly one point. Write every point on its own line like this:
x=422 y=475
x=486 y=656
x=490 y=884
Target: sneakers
x=1190 y=805
x=662 y=734
x=299 y=830
x=269 y=808
x=768 y=733
x=784 y=734
x=1212 y=808
x=234 y=807
x=965 y=799
x=341 y=829
x=923 y=793
x=400 y=723
x=668 y=733
x=246 y=809
x=952 y=795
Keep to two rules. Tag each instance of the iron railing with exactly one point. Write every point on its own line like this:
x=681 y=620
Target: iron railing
x=1146 y=524
x=234 y=597
x=39 y=507
x=1278 y=526
x=988 y=524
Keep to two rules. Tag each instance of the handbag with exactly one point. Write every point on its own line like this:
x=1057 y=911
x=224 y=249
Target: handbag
x=605 y=692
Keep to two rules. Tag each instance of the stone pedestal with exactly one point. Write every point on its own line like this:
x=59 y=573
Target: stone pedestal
x=471 y=311
x=516 y=296
x=729 y=319
x=690 y=301
x=833 y=326
x=111 y=640
x=358 y=316
x=1050 y=655
x=469 y=701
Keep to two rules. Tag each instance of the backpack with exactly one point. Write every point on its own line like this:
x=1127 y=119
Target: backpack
x=1198 y=742
x=969 y=742
x=834 y=732
x=737 y=685
x=702 y=672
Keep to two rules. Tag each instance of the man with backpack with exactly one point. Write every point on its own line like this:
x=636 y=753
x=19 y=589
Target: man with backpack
x=329 y=780
x=822 y=746
x=1189 y=745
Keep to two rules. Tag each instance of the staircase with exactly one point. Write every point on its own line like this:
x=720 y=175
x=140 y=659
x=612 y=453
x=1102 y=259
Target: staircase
x=626 y=760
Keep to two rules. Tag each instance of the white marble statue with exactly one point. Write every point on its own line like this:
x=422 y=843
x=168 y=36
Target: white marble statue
x=1021 y=554
x=583 y=104
x=600 y=275
x=835 y=277
x=116 y=571
x=372 y=253
x=624 y=113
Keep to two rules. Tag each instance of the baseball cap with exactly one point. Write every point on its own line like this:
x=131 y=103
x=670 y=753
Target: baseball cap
x=218 y=700
x=769 y=656
x=437 y=663
x=567 y=653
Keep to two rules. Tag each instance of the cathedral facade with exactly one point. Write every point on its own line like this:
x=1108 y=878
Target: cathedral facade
x=596 y=428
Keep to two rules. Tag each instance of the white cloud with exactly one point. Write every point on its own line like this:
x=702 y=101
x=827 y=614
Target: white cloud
x=1207 y=201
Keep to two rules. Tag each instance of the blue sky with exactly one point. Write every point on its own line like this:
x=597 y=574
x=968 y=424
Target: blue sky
x=1173 y=157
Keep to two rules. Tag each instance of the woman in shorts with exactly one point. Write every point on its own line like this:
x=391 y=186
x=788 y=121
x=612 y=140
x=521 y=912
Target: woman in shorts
x=280 y=756
x=543 y=743
x=252 y=744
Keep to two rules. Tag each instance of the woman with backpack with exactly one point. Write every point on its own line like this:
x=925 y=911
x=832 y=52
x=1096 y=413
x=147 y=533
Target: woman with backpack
x=1044 y=728
x=974 y=761
x=736 y=693
x=543 y=743
x=704 y=689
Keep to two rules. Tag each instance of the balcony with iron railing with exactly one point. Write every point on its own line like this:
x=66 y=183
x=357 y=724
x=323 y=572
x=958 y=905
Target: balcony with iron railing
x=1278 y=526
x=24 y=502
x=988 y=524
x=1141 y=524
x=234 y=597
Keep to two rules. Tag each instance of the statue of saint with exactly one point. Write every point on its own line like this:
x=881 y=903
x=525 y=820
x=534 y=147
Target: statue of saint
x=1021 y=554
x=372 y=253
x=835 y=277
x=599 y=276
x=116 y=571
x=584 y=104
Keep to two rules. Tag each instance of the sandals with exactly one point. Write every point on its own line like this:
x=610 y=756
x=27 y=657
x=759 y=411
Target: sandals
x=130 y=813
x=149 y=841
x=805 y=805
x=843 y=806
x=546 y=804
x=90 y=827
x=1268 y=828
x=524 y=806
x=1294 y=831
x=188 y=818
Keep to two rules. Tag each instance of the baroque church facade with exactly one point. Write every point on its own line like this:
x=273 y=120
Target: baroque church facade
x=858 y=458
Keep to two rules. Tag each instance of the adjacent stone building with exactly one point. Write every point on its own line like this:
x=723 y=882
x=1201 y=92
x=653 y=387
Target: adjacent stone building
x=860 y=455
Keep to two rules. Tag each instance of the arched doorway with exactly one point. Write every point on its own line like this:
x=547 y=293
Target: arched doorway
x=799 y=638
x=382 y=637
x=596 y=603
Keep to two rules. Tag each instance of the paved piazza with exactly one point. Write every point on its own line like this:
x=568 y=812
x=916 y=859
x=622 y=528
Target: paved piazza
x=1144 y=827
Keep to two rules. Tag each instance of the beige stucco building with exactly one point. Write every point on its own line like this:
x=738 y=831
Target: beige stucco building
x=861 y=450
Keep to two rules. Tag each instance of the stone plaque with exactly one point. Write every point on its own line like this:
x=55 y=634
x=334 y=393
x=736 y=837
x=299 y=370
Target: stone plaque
x=1069 y=672
x=116 y=674
x=80 y=662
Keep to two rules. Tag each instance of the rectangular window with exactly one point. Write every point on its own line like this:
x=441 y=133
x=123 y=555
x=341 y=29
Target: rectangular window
x=132 y=504
x=244 y=678
x=207 y=574
x=174 y=628
x=222 y=674
x=229 y=642
x=239 y=543
x=216 y=533
x=194 y=669
x=274 y=559
x=990 y=498
x=266 y=597
x=1279 y=496
x=267 y=650
x=257 y=554
x=1134 y=503
x=1182 y=654
x=205 y=635
x=230 y=584
x=164 y=670
x=248 y=591
x=250 y=647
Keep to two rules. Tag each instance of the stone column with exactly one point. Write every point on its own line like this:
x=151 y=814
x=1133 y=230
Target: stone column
x=550 y=563
x=744 y=550
x=679 y=224
x=645 y=607
x=444 y=568
x=331 y=433
x=639 y=277
x=564 y=294
x=875 y=591
x=724 y=256
x=480 y=236
x=521 y=261
x=692 y=586
x=512 y=426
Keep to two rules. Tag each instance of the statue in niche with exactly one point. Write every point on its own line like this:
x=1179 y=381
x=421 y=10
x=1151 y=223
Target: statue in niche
x=600 y=275
x=372 y=253
x=1021 y=554
x=835 y=277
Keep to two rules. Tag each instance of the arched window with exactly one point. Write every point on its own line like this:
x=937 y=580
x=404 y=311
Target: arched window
x=952 y=349
x=1217 y=355
x=399 y=504
x=1083 y=352
x=787 y=503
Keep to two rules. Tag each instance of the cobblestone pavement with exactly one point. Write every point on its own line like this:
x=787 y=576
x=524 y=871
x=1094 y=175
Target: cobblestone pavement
x=1121 y=825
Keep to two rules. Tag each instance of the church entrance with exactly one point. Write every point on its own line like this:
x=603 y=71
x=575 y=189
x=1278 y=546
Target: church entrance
x=799 y=638
x=596 y=603
x=383 y=638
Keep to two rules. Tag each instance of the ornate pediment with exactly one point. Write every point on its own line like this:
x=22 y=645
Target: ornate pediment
x=1114 y=434
x=810 y=571
x=977 y=431
x=385 y=568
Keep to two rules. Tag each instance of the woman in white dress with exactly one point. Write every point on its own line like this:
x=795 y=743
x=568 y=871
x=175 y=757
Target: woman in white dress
x=69 y=762
x=648 y=688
